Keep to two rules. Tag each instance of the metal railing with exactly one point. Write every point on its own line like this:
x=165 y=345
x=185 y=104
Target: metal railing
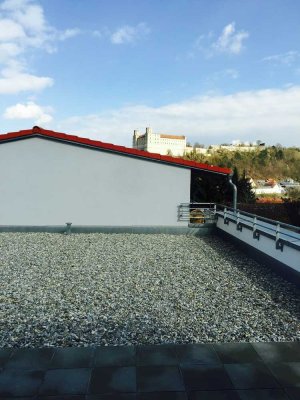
x=280 y=232
x=197 y=213
x=201 y=213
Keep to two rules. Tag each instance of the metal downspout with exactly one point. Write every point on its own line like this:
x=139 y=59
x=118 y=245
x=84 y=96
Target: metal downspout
x=234 y=192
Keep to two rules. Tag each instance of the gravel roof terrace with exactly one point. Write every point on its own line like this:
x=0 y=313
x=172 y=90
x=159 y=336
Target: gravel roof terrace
x=121 y=289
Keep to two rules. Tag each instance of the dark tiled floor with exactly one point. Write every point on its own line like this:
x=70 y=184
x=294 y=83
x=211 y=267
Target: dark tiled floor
x=113 y=379
x=68 y=358
x=229 y=371
x=156 y=355
x=115 y=356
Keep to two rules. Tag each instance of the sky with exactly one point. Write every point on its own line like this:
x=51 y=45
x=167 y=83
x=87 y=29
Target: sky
x=215 y=71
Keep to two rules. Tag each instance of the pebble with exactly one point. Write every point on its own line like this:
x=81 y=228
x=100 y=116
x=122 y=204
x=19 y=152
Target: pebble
x=127 y=289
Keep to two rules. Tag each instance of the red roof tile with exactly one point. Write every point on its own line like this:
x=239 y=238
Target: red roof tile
x=37 y=131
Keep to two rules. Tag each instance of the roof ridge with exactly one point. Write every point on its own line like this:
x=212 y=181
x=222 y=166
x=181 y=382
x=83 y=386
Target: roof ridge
x=180 y=162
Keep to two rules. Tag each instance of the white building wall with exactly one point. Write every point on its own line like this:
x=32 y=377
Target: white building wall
x=269 y=190
x=44 y=182
x=177 y=149
x=157 y=143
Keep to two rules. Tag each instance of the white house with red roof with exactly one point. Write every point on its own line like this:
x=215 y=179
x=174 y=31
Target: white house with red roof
x=50 y=178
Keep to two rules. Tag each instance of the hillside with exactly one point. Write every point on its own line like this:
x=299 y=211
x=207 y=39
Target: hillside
x=272 y=162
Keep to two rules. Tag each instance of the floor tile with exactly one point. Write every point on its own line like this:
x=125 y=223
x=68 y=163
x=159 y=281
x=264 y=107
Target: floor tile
x=263 y=394
x=162 y=396
x=197 y=353
x=60 y=397
x=205 y=377
x=250 y=376
x=156 y=355
x=113 y=396
x=4 y=356
x=113 y=379
x=236 y=353
x=72 y=357
x=20 y=383
x=278 y=351
x=293 y=393
x=158 y=379
x=117 y=356
x=30 y=359
x=288 y=373
x=19 y=398
x=65 y=381
x=214 y=395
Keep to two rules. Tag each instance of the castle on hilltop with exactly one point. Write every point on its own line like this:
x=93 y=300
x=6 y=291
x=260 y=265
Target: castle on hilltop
x=159 y=143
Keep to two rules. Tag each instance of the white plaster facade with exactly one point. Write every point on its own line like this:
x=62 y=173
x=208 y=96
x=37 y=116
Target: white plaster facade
x=235 y=147
x=48 y=182
x=159 y=143
x=275 y=189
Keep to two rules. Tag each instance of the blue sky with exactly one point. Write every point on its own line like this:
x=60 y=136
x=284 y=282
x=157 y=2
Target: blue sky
x=213 y=70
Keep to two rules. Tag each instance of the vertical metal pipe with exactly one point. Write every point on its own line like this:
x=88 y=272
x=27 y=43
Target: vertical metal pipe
x=68 y=228
x=234 y=191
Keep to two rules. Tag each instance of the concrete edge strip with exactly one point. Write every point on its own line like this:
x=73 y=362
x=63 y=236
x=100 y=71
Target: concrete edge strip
x=203 y=229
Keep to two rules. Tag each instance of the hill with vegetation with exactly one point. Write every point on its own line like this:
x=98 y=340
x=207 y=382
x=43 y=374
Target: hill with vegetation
x=274 y=162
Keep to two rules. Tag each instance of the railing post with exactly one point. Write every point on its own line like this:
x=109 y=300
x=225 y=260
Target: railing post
x=278 y=241
x=225 y=216
x=254 y=228
x=238 y=222
x=277 y=232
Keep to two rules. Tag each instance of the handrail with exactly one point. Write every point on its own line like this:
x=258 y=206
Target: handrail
x=281 y=233
x=250 y=222
x=196 y=213
x=271 y=221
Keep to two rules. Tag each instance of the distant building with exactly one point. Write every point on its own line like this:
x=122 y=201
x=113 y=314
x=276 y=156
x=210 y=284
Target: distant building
x=243 y=147
x=268 y=186
x=197 y=150
x=159 y=143
x=290 y=183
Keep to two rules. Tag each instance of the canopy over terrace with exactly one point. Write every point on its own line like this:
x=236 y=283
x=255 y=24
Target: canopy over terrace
x=52 y=177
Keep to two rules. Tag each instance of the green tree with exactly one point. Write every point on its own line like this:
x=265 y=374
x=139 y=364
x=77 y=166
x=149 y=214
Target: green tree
x=245 y=192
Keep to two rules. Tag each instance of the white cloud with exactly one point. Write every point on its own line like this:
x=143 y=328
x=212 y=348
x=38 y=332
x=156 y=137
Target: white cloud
x=97 y=33
x=69 y=33
x=287 y=58
x=30 y=110
x=23 y=26
x=10 y=30
x=129 y=34
x=8 y=51
x=230 y=41
x=270 y=115
x=23 y=82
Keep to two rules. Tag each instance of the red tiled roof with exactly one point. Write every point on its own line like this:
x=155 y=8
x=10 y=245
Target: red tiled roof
x=171 y=136
x=37 y=131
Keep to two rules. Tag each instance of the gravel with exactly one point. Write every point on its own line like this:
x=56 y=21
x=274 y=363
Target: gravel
x=120 y=289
